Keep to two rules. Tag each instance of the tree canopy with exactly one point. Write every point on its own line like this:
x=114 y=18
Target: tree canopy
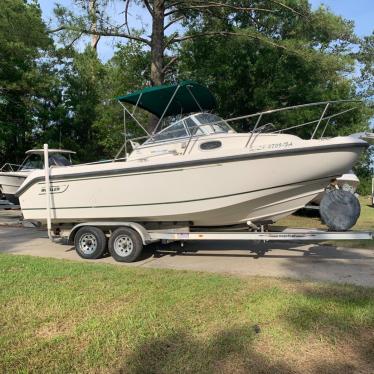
x=25 y=79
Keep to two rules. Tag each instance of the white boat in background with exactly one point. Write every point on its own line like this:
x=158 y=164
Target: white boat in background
x=13 y=175
x=198 y=171
x=347 y=182
x=368 y=137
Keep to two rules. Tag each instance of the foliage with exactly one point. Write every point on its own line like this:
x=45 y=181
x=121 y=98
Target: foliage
x=365 y=57
x=125 y=72
x=313 y=66
x=82 y=77
x=25 y=78
x=364 y=169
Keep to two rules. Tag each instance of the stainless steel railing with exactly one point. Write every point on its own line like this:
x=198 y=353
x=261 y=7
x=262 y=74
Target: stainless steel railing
x=8 y=167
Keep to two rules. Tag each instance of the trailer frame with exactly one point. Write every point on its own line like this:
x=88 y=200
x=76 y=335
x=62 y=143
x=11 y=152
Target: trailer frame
x=184 y=233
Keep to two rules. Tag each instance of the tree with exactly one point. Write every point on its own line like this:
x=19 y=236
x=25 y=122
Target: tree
x=126 y=71
x=24 y=77
x=258 y=76
x=164 y=14
x=81 y=79
x=365 y=57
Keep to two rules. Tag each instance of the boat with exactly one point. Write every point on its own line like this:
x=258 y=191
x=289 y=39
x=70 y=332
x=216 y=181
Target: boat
x=347 y=182
x=366 y=136
x=13 y=175
x=196 y=171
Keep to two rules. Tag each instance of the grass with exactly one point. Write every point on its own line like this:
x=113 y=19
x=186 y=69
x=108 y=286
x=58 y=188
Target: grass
x=365 y=222
x=65 y=317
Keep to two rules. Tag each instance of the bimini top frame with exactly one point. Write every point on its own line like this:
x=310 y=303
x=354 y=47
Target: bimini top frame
x=167 y=100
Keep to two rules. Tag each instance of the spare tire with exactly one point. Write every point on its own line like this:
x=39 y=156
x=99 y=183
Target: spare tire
x=339 y=210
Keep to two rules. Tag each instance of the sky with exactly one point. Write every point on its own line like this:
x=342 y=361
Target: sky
x=359 y=11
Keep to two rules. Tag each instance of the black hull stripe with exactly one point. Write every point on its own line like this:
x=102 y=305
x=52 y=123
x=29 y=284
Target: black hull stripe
x=191 y=163
x=11 y=175
x=42 y=182
x=188 y=201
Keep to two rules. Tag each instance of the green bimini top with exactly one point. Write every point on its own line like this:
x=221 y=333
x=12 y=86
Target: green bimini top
x=190 y=97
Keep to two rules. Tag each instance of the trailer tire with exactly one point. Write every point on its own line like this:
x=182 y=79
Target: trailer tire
x=90 y=242
x=125 y=245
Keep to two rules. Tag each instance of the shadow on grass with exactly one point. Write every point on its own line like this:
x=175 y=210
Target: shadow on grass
x=234 y=351
x=344 y=316
x=229 y=351
x=340 y=320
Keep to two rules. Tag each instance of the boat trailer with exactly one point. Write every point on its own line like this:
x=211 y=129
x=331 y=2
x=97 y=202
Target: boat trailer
x=125 y=240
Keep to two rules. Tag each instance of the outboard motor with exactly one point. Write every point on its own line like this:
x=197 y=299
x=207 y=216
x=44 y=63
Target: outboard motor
x=339 y=209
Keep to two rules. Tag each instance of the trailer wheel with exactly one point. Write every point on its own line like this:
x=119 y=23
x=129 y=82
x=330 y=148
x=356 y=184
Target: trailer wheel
x=90 y=242
x=125 y=245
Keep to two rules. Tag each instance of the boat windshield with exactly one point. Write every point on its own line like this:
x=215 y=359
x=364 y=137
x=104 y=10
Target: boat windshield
x=58 y=159
x=197 y=124
x=211 y=123
x=174 y=131
x=35 y=161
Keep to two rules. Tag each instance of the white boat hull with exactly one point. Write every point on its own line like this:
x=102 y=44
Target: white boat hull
x=10 y=183
x=254 y=188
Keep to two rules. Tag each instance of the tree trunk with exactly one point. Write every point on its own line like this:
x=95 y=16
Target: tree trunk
x=157 y=51
x=92 y=10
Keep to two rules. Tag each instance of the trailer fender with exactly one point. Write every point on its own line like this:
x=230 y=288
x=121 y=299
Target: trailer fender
x=143 y=233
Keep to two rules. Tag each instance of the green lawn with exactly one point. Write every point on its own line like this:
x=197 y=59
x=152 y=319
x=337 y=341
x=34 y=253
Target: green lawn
x=63 y=317
x=365 y=222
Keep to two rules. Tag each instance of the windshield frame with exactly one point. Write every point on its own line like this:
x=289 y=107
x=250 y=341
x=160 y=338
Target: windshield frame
x=200 y=131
